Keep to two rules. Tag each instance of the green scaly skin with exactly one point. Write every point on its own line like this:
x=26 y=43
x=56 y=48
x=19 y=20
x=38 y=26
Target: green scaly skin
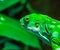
x=48 y=29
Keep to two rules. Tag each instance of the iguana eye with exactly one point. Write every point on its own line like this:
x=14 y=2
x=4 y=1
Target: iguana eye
x=27 y=19
x=36 y=25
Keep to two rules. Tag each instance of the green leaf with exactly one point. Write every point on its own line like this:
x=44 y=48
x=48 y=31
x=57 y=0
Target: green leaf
x=12 y=29
x=7 y=3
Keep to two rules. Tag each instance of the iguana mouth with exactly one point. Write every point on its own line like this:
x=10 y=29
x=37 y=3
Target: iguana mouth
x=41 y=36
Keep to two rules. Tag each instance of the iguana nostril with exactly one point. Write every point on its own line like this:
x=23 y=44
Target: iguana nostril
x=22 y=24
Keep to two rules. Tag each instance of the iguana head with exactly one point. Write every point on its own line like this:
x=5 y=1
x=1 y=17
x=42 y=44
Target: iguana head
x=35 y=24
x=32 y=21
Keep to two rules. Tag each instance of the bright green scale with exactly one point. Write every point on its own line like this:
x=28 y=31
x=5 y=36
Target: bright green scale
x=45 y=27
